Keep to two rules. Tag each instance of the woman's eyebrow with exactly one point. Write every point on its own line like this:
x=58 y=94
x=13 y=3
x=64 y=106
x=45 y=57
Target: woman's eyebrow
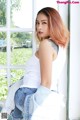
x=42 y=20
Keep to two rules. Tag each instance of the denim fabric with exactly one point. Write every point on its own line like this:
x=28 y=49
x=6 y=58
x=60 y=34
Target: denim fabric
x=44 y=104
x=21 y=93
x=37 y=104
x=29 y=104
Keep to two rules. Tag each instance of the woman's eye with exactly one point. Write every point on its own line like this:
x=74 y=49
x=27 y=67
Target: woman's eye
x=37 y=23
x=44 y=23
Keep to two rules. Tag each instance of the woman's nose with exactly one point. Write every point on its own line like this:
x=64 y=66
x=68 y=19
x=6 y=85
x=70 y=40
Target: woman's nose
x=40 y=26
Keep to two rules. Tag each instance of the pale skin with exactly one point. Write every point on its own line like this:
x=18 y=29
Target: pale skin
x=46 y=52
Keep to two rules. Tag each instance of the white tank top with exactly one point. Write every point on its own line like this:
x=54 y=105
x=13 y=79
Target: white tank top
x=32 y=78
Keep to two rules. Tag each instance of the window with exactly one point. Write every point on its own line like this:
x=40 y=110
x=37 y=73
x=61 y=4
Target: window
x=16 y=38
x=16 y=45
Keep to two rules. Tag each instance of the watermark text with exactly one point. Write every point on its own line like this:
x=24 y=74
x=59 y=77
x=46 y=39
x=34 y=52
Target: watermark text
x=67 y=2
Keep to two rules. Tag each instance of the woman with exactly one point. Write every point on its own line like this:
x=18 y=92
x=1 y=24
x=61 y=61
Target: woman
x=34 y=98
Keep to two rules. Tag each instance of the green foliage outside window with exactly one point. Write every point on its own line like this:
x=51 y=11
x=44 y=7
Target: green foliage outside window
x=19 y=55
x=15 y=74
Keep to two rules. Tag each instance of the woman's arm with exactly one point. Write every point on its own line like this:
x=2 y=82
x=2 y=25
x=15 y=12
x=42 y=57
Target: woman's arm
x=46 y=56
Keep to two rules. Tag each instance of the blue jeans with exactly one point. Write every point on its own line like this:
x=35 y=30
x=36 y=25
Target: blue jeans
x=19 y=99
x=37 y=104
x=44 y=104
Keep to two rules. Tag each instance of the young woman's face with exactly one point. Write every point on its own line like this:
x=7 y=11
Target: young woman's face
x=42 y=28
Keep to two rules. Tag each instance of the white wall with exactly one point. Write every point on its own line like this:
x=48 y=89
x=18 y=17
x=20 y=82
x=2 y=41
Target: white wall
x=63 y=10
x=74 y=93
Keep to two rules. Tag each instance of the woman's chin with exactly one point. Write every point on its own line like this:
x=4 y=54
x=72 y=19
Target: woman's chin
x=42 y=38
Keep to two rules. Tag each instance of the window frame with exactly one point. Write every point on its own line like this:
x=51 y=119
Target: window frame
x=10 y=30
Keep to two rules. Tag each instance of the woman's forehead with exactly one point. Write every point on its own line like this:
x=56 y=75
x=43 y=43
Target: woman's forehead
x=42 y=17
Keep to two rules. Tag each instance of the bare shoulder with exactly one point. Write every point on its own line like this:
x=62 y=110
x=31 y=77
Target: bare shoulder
x=47 y=49
x=45 y=42
x=46 y=46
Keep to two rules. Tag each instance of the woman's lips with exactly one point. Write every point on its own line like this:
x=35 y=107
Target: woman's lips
x=40 y=32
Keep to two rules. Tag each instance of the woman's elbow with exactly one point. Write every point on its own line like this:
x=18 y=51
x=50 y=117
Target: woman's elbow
x=46 y=83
